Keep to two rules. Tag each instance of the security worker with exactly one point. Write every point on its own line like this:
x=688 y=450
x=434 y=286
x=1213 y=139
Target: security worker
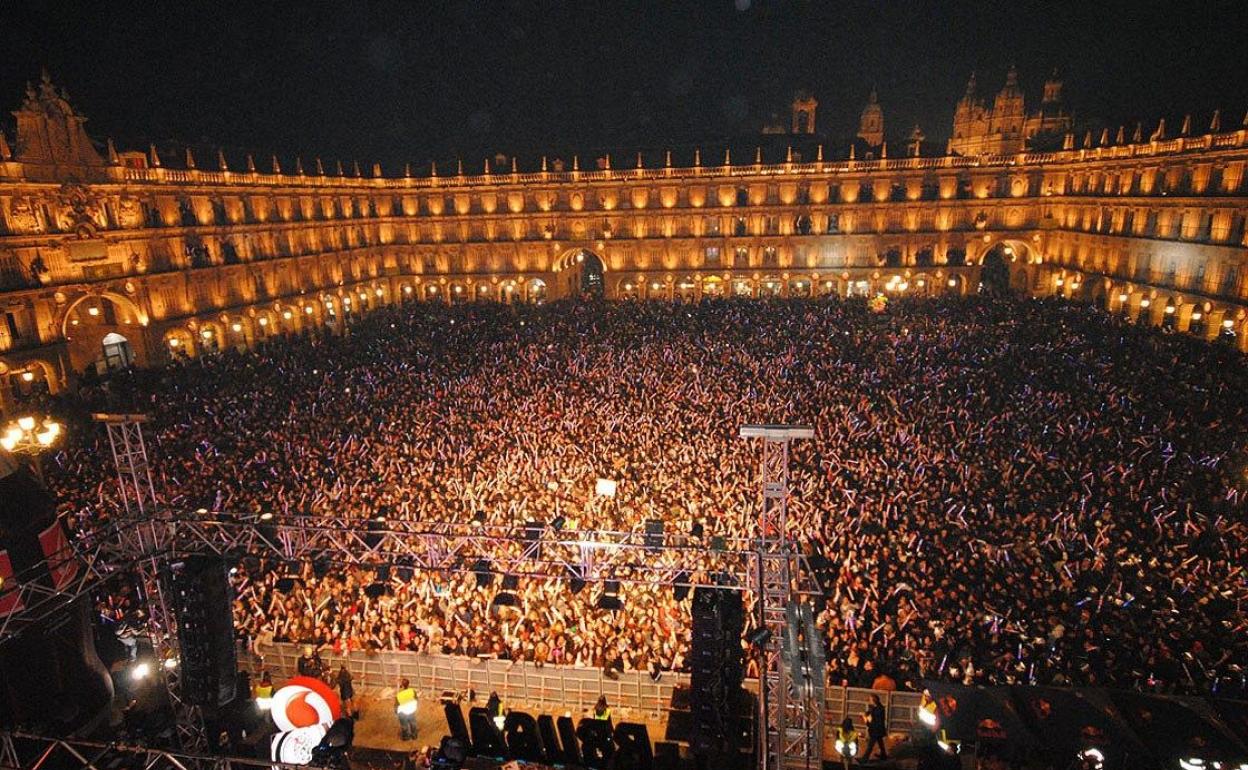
x=602 y=710
x=405 y=708
x=495 y=707
x=847 y=742
x=264 y=691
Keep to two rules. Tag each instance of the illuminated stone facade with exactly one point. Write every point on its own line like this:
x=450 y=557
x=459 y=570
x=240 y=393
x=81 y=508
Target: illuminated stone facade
x=1006 y=127
x=109 y=257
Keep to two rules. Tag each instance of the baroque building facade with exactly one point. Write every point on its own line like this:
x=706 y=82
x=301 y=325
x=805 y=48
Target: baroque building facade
x=109 y=259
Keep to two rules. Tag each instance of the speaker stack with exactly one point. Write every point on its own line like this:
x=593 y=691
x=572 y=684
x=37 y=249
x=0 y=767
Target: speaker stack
x=717 y=664
x=200 y=597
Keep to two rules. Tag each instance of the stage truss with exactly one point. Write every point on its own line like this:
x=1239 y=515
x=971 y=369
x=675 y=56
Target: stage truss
x=143 y=541
x=25 y=751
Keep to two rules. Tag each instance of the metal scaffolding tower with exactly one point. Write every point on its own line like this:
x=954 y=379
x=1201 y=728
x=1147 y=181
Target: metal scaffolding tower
x=146 y=538
x=790 y=721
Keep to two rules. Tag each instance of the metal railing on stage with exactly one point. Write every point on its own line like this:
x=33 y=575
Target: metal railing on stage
x=551 y=688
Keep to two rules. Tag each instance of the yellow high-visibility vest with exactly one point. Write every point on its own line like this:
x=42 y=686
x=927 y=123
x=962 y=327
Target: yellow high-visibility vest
x=264 y=691
x=604 y=715
x=407 y=701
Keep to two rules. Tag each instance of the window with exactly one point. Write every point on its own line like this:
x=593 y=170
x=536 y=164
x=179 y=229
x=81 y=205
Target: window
x=743 y=196
x=712 y=256
x=770 y=257
x=11 y=322
x=834 y=223
x=712 y=225
x=738 y=227
x=741 y=257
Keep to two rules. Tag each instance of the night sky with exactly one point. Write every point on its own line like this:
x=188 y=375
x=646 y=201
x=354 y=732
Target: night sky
x=395 y=81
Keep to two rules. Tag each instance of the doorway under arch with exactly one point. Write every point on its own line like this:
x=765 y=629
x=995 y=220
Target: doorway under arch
x=584 y=273
x=117 y=352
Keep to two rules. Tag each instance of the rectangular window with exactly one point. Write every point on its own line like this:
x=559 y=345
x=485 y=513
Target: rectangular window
x=712 y=255
x=10 y=321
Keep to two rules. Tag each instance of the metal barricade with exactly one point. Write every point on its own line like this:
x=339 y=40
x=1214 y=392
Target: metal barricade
x=550 y=688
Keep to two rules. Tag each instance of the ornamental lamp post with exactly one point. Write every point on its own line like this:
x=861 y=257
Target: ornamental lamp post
x=31 y=436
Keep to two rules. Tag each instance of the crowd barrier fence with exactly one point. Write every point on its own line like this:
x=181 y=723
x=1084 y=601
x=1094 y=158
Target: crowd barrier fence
x=550 y=688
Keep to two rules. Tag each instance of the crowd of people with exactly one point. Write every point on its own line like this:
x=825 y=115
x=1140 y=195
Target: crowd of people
x=998 y=490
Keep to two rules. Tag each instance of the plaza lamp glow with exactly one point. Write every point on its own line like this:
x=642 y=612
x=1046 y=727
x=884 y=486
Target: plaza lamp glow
x=30 y=436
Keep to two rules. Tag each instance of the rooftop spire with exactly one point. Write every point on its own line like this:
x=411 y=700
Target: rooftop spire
x=190 y=159
x=299 y=165
x=1160 y=133
x=727 y=156
x=113 y=158
x=221 y=164
x=251 y=164
x=1138 y=135
x=338 y=167
x=1122 y=135
x=407 y=170
x=320 y=167
x=1187 y=125
x=277 y=167
x=7 y=154
x=153 y=158
x=1215 y=125
x=355 y=168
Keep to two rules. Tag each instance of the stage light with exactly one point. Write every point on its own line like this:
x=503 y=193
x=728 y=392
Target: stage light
x=140 y=671
x=171 y=664
x=759 y=637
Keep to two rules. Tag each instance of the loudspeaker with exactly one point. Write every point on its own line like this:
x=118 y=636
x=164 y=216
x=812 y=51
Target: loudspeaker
x=571 y=746
x=632 y=751
x=654 y=533
x=487 y=739
x=597 y=746
x=550 y=740
x=666 y=755
x=455 y=724
x=717 y=666
x=523 y=739
x=200 y=594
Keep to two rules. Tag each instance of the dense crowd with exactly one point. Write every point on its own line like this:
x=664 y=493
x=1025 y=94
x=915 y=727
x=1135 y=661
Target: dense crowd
x=998 y=491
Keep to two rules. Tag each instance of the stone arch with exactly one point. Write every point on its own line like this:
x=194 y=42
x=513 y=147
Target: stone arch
x=120 y=300
x=179 y=341
x=536 y=290
x=581 y=271
x=26 y=376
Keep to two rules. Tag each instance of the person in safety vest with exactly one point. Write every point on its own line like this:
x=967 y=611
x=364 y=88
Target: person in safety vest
x=264 y=691
x=602 y=710
x=495 y=706
x=405 y=708
x=847 y=742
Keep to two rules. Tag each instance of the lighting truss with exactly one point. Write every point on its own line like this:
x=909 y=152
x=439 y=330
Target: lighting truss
x=26 y=751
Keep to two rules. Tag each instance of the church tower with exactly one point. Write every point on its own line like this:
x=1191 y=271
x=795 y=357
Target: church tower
x=871 y=125
x=1005 y=126
x=1051 y=119
x=804 y=106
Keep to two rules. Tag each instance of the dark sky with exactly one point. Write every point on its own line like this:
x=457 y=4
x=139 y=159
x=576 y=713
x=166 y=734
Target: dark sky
x=425 y=79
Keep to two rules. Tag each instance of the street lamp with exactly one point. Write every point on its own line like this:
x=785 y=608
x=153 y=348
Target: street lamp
x=27 y=435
